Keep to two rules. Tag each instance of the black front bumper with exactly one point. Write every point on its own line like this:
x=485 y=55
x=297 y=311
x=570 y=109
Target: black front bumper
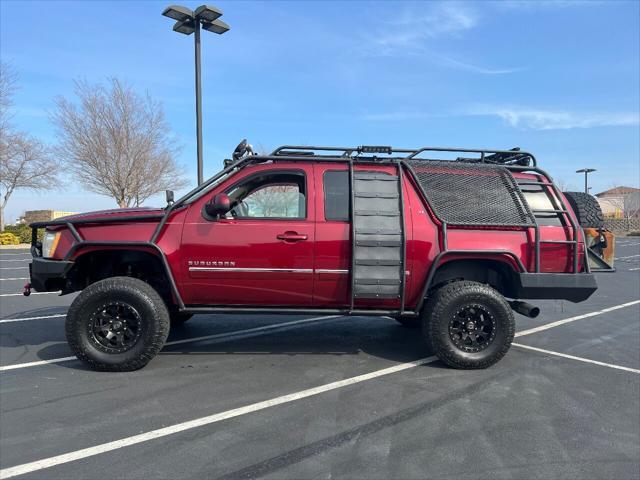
x=48 y=275
x=575 y=287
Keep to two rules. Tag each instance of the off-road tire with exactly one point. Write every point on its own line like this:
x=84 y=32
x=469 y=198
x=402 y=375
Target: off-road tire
x=132 y=293
x=586 y=208
x=445 y=303
x=178 y=318
x=409 y=322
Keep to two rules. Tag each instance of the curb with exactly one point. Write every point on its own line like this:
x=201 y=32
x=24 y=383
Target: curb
x=20 y=246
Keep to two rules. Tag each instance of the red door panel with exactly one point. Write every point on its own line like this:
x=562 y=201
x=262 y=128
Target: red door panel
x=248 y=261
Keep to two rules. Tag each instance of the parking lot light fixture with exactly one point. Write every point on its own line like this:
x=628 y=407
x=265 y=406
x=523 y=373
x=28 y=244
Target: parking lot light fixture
x=217 y=26
x=586 y=172
x=207 y=13
x=188 y=22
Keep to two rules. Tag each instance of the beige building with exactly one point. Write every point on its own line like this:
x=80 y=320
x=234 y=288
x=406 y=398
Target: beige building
x=620 y=202
x=42 y=215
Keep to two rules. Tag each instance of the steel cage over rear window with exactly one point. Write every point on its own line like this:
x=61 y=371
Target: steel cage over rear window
x=472 y=193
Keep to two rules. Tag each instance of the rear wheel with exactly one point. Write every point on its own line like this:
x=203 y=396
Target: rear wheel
x=117 y=324
x=468 y=325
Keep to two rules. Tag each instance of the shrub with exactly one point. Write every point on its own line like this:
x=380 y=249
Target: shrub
x=23 y=232
x=8 y=238
x=634 y=234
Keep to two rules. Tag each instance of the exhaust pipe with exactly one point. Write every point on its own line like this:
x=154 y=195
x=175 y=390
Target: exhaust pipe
x=524 y=308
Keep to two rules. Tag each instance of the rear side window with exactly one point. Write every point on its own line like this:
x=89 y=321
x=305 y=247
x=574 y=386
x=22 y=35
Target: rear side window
x=336 y=195
x=538 y=199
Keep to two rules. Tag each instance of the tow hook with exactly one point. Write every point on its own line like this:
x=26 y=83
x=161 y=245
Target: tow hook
x=27 y=289
x=525 y=308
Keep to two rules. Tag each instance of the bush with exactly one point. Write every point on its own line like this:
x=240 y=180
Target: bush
x=23 y=232
x=634 y=234
x=8 y=238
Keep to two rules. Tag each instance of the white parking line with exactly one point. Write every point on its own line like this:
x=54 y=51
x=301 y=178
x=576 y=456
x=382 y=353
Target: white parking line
x=36 y=364
x=14 y=268
x=624 y=258
x=32 y=293
x=573 y=319
x=20 y=260
x=208 y=420
x=634 y=269
x=15 y=278
x=24 y=319
x=580 y=359
x=14 y=254
x=216 y=338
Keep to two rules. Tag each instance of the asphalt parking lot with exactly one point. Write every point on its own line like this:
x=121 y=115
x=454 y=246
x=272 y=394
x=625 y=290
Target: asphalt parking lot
x=238 y=396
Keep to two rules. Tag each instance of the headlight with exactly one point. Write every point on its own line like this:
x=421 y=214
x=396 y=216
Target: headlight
x=49 y=243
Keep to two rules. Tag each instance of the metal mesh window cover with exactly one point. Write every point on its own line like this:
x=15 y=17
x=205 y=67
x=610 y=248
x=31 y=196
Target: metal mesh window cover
x=472 y=193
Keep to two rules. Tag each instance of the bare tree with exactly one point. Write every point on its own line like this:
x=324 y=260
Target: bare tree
x=117 y=143
x=625 y=203
x=274 y=201
x=8 y=86
x=24 y=161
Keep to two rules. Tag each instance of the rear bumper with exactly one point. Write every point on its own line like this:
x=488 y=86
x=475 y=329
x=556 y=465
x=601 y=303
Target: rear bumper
x=575 y=287
x=48 y=275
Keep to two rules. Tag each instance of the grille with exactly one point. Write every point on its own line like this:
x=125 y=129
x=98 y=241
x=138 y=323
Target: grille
x=472 y=193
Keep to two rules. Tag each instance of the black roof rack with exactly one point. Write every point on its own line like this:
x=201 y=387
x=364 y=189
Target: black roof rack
x=513 y=156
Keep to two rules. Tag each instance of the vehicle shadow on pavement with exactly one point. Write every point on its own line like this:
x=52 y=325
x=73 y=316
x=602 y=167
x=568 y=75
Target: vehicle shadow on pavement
x=377 y=337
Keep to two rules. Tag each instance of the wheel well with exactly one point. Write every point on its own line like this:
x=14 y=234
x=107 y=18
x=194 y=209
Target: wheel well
x=498 y=275
x=98 y=265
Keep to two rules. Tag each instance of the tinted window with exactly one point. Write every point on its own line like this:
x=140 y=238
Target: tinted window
x=336 y=195
x=273 y=195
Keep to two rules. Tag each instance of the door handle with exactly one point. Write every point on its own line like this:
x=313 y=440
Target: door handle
x=292 y=237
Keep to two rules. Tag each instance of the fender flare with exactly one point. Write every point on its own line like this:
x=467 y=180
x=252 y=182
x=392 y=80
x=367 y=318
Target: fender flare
x=142 y=246
x=496 y=255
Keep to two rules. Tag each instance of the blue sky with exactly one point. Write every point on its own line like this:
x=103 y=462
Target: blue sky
x=560 y=79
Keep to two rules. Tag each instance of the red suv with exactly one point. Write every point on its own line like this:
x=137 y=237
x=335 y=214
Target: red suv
x=370 y=230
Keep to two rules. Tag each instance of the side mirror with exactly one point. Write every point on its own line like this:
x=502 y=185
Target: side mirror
x=168 y=194
x=219 y=205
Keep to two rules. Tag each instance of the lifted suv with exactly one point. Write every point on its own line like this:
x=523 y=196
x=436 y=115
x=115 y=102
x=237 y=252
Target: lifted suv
x=356 y=231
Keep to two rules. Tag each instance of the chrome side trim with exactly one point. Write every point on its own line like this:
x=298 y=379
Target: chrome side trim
x=240 y=269
x=254 y=270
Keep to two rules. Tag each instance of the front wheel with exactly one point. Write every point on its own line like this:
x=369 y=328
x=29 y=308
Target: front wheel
x=468 y=325
x=117 y=324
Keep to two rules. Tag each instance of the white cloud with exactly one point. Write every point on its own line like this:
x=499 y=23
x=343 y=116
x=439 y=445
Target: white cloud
x=536 y=119
x=412 y=28
x=452 y=62
x=410 y=33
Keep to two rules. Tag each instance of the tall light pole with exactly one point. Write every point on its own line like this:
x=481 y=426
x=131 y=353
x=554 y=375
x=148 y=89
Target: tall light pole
x=586 y=172
x=188 y=22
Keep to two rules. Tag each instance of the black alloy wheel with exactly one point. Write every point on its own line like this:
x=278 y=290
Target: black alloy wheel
x=472 y=328
x=115 y=327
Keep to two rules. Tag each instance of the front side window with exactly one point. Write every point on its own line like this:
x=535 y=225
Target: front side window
x=269 y=195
